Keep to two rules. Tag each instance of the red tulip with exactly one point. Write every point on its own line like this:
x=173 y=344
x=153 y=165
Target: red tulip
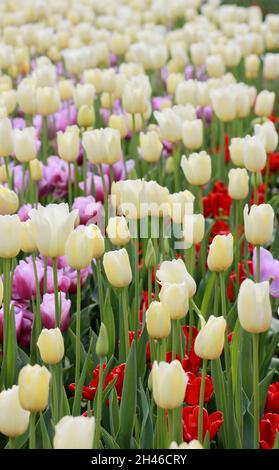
x=190 y=418
x=272 y=399
x=192 y=394
x=269 y=426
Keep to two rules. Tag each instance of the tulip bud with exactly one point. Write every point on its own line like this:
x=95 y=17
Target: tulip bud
x=118 y=231
x=6 y=137
x=102 y=145
x=220 y=255
x=264 y=103
x=150 y=256
x=170 y=165
x=14 y=420
x=271 y=66
x=134 y=98
x=98 y=241
x=33 y=382
x=197 y=168
x=83 y=95
x=268 y=134
x=51 y=346
x=25 y=144
x=194 y=444
x=224 y=104
x=192 y=134
x=254 y=153
x=151 y=146
x=193 y=228
x=28 y=244
x=252 y=65
x=175 y=297
x=180 y=204
x=238 y=183
x=36 y=170
x=65 y=89
x=68 y=144
x=86 y=116
x=47 y=100
x=253 y=305
x=258 y=224
x=237 y=151
x=158 y=321
x=8 y=201
x=215 y=66
x=209 y=343
x=172 y=81
x=117 y=268
x=102 y=344
x=118 y=122
x=169 y=383
x=175 y=272
x=10 y=236
x=74 y=432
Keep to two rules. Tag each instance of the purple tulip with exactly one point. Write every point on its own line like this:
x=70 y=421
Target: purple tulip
x=63 y=281
x=88 y=208
x=269 y=270
x=48 y=311
x=99 y=192
x=189 y=72
x=208 y=114
x=55 y=177
x=24 y=285
x=23 y=212
x=23 y=324
x=72 y=276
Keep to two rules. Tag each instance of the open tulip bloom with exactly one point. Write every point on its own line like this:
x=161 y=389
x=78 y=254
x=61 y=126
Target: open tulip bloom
x=139 y=270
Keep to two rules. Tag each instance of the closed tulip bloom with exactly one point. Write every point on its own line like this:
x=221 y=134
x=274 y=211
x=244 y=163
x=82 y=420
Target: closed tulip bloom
x=102 y=145
x=151 y=146
x=192 y=134
x=253 y=306
x=180 y=204
x=209 y=343
x=268 y=134
x=224 y=104
x=220 y=256
x=8 y=100
x=6 y=137
x=10 y=236
x=36 y=170
x=25 y=144
x=198 y=52
x=52 y=226
x=26 y=96
x=170 y=125
x=193 y=228
x=238 y=183
x=8 y=201
x=14 y=420
x=118 y=231
x=258 y=224
x=117 y=268
x=197 y=168
x=186 y=92
x=74 y=432
x=28 y=244
x=83 y=94
x=68 y=144
x=51 y=346
x=252 y=65
x=158 y=322
x=215 y=66
x=173 y=81
x=194 y=444
x=98 y=241
x=65 y=89
x=134 y=98
x=175 y=297
x=254 y=153
x=237 y=151
x=33 y=382
x=264 y=103
x=128 y=197
x=271 y=66
x=156 y=198
x=76 y=257
x=86 y=116
x=169 y=383
x=118 y=122
x=47 y=101
x=175 y=272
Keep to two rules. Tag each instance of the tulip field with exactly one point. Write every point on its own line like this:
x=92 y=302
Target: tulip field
x=139 y=241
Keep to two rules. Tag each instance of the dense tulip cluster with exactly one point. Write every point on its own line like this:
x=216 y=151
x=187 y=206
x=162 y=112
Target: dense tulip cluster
x=139 y=272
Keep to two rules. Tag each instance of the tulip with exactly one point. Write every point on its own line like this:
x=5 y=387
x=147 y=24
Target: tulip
x=215 y=66
x=252 y=65
x=151 y=146
x=128 y=197
x=268 y=134
x=264 y=103
x=175 y=297
x=198 y=52
x=14 y=420
x=169 y=383
x=175 y=272
x=28 y=244
x=117 y=268
x=74 y=432
x=26 y=96
x=6 y=137
x=102 y=145
x=156 y=198
x=68 y=144
x=158 y=320
x=271 y=67
x=83 y=94
x=258 y=224
x=33 y=382
x=10 y=236
x=25 y=144
x=8 y=99
x=52 y=226
x=180 y=204
x=170 y=125
x=254 y=153
x=253 y=305
x=36 y=171
x=186 y=92
x=193 y=228
x=237 y=151
x=118 y=122
x=47 y=101
x=224 y=104
x=8 y=201
x=238 y=187
x=51 y=346
x=65 y=89
x=192 y=134
x=102 y=344
x=220 y=256
x=48 y=311
x=209 y=343
x=173 y=81
x=86 y=116
x=82 y=236
x=134 y=98
x=1 y=291
x=118 y=231
x=194 y=444
x=197 y=168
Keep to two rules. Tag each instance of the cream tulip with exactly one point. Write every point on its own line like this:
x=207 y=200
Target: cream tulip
x=6 y=137
x=220 y=256
x=47 y=101
x=74 y=432
x=175 y=272
x=193 y=228
x=86 y=116
x=25 y=144
x=33 y=383
x=194 y=444
x=51 y=346
x=215 y=66
x=134 y=98
x=26 y=96
x=68 y=144
x=268 y=134
x=170 y=125
x=102 y=145
x=27 y=244
x=186 y=93
x=253 y=306
x=8 y=201
x=258 y=223
x=271 y=66
x=150 y=146
x=209 y=342
x=237 y=151
x=180 y=204
x=98 y=239
x=169 y=383
x=265 y=103
x=83 y=94
x=10 y=236
x=238 y=186
x=14 y=420
x=119 y=123
x=128 y=197
x=158 y=321
x=173 y=81
x=118 y=231
x=192 y=134
x=252 y=65
x=197 y=168
x=76 y=257
x=36 y=170
x=224 y=104
x=254 y=153
x=176 y=298
x=117 y=268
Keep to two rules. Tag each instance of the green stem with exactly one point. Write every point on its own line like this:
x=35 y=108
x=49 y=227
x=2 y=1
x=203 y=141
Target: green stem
x=201 y=401
x=266 y=177
x=149 y=274
x=56 y=295
x=97 y=444
x=12 y=443
x=55 y=401
x=200 y=199
x=7 y=301
x=32 y=433
x=136 y=275
x=125 y=322
x=255 y=187
x=30 y=186
x=70 y=188
x=44 y=140
x=100 y=288
x=224 y=313
x=38 y=323
x=176 y=157
x=45 y=274
x=105 y=194
x=8 y=175
x=84 y=172
x=133 y=146
x=77 y=369
x=256 y=389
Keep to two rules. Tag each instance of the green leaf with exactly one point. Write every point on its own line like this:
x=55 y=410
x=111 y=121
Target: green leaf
x=146 y=432
x=113 y=413
x=248 y=431
x=234 y=348
x=206 y=441
x=128 y=400
x=109 y=441
x=90 y=362
x=263 y=388
x=207 y=295
x=141 y=353
x=269 y=350
x=46 y=444
x=109 y=322
x=78 y=391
